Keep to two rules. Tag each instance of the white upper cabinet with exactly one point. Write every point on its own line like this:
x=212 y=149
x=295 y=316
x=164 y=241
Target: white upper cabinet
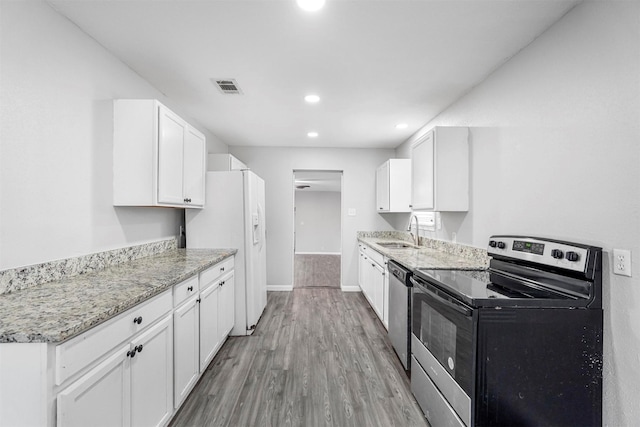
x=195 y=146
x=393 y=186
x=158 y=158
x=440 y=170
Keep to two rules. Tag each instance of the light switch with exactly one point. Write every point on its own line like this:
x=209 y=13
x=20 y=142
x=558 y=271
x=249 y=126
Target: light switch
x=351 y=212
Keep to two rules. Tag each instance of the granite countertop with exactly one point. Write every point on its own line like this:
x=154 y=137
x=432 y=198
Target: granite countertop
x=56 y=311
x=456 y=257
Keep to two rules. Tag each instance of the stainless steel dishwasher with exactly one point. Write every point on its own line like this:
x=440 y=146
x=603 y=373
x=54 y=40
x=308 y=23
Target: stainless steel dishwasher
x=400 y=311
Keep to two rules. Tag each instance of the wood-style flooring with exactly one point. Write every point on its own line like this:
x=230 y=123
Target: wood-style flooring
x=316 y=270
x=319 y=356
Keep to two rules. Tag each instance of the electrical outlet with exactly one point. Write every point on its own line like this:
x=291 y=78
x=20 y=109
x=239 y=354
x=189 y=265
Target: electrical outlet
x=622 y=262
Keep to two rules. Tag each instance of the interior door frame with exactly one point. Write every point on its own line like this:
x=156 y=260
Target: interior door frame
x=293 y=209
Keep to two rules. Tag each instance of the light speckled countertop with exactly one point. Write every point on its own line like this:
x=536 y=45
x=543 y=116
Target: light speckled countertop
x=56 y=311
x=455 y=257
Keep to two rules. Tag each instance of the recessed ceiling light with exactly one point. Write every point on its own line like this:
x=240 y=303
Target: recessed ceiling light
x=402 y=126
x=312 y=99
x=310 y=5
x=312 y=134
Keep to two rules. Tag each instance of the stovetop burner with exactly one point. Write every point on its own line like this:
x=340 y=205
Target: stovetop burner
x=528 y=272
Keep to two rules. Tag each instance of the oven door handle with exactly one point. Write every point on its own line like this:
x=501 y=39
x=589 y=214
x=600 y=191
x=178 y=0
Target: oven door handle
x=447 y=303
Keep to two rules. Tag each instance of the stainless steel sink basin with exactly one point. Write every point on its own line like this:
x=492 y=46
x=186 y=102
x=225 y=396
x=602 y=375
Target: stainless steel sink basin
x=394 y=245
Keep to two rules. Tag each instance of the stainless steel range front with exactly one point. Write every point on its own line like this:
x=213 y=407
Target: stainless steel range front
x=517 y=345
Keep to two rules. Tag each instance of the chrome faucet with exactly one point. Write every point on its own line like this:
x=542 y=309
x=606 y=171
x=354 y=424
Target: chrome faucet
x=416 y=238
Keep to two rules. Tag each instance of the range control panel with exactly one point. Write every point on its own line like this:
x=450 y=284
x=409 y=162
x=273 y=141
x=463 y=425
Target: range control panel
x=549 y=252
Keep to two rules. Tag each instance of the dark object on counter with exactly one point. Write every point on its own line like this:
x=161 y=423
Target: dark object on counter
x=519 y=345
x=182 y=239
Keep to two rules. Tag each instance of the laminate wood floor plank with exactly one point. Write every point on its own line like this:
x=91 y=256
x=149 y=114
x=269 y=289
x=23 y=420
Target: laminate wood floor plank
x=316 y=270
x=318 y=357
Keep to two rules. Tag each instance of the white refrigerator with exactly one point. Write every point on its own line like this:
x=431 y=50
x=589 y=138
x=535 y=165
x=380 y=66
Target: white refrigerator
x=233 y=217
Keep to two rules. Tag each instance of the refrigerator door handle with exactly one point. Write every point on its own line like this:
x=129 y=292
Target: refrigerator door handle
x=258 y=228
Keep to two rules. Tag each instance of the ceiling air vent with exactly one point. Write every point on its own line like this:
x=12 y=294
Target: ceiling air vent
x=228 y=86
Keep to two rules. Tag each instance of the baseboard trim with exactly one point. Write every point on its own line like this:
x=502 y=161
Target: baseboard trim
x=350 y=289
x=281 y=288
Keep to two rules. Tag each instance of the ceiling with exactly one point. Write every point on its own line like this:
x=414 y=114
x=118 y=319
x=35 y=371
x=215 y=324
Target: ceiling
x=308 y=181
x=374 y=63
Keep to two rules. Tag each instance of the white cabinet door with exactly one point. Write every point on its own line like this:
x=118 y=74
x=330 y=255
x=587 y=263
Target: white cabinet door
x=101 y=397
x=365 y=286
x=209 y=335
x=170 y=157
x=385 y=297
x=226 y=306
x=186 y=354
x=393 y=186
x=377 y=291
x=152 y=376
x=422 y=173
x=382 y=187
x=194 y=167
x=158 y=158
x=440 y=170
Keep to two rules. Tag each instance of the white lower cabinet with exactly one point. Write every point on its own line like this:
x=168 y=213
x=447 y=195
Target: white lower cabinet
x=186 y=328
x=372 y=278
x=132 y=387
x=377 y=291
x=227 y=305
x=152 y=376
x=134 y=370
x=209 y=314
x=100 y=398
x=216 y=315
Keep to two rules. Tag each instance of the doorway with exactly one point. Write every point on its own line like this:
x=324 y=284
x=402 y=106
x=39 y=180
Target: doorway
x=317 y=234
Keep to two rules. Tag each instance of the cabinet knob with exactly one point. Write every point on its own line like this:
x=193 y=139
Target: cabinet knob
x=222 y=283
x=198 y=300
x=138 y=320
x=138 y=348
x=190 y=288
x=221 y=268
x=131 y=353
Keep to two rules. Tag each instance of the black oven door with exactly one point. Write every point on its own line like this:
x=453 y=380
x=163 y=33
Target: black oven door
x=445 y=326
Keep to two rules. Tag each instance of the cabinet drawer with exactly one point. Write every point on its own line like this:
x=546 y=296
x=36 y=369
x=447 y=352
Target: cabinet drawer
x=182 y=291
x=376 y=257
x=74 y=355
x=212 y=274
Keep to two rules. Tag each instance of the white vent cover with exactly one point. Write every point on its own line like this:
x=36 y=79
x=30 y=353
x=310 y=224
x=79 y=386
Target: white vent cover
x=228 y=86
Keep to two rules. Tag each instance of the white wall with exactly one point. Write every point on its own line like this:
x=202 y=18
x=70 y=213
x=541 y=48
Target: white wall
x=56 y=88
x=276 y=166
x=555 y=152
x=317 y=219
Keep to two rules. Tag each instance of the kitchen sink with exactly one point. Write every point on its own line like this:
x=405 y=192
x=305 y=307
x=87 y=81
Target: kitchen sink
x=395 y=245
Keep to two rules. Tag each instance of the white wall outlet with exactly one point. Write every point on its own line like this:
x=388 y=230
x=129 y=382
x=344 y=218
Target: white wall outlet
x=351 y=212
x=622 y=262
